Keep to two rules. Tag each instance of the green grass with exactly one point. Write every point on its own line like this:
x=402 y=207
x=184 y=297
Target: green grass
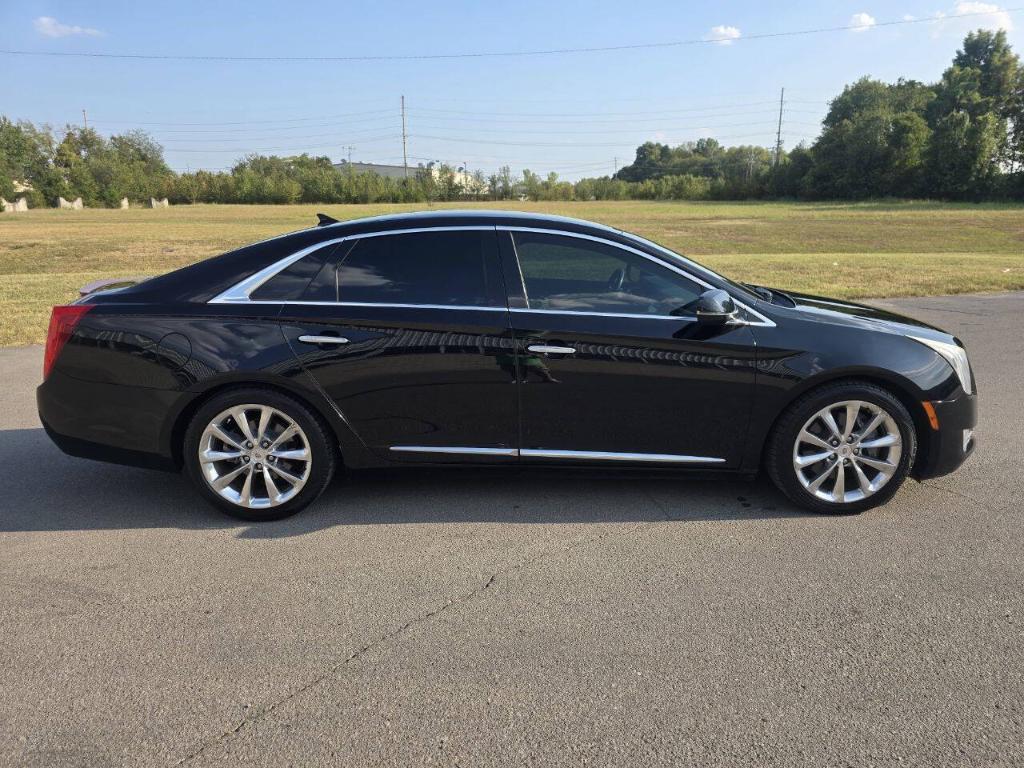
x=842 y=250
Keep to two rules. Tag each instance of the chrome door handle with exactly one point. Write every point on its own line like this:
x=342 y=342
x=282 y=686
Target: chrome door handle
x=544 y=349
x=323 y=339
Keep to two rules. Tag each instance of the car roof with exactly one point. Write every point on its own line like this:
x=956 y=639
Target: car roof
x=456 y=217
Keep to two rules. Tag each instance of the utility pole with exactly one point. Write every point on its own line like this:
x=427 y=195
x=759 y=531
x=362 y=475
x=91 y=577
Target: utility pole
x=85 y=119
x=778 y=133
x=615 y=165
x=405 y=154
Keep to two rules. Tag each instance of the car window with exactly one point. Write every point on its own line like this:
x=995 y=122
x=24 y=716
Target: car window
x=448 y=268
x=290 y=283
x=576 y=275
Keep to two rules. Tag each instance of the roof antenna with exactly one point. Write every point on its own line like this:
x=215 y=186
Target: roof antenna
x=324 y=220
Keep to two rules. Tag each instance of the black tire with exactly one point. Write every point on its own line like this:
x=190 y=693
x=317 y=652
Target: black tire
x=323 y=455
x=779 y=455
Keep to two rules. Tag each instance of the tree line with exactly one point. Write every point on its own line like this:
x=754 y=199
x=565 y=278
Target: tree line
x=961 y=138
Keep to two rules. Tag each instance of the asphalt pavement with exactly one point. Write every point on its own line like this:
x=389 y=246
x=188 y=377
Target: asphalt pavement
x=458 y=618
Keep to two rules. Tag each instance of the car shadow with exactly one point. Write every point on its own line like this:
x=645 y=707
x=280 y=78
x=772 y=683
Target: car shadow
x=49 y=491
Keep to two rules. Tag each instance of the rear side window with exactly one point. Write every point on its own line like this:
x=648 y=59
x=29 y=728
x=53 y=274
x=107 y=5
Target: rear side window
x=290 y=283
x=453 y=268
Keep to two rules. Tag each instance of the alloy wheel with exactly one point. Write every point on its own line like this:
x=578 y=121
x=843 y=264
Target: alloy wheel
x=847 y=451
x=255 y=456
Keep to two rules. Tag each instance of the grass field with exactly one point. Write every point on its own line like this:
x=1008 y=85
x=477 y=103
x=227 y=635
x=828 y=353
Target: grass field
x=842 y=250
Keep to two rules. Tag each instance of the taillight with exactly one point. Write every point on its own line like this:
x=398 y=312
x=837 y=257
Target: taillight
x=63 y=321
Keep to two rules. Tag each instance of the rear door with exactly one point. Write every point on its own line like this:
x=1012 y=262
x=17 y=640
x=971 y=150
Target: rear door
x=408 y=334
x=613 y=365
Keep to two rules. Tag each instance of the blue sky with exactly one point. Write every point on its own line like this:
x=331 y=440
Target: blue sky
x=574 y=114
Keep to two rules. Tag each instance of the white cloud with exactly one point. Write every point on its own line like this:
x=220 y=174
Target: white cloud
x=50 y=27
x=984 y=15
x=862 y=22
x=994 y=17
x=909 y=17
x=723 y=34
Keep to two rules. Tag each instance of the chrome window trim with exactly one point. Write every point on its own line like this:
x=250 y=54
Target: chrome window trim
x=678 y=318
x=240 y=292
x=544 y=453
x=761 y=319
x=513 y=452
x=669 y=458
x=463 y=307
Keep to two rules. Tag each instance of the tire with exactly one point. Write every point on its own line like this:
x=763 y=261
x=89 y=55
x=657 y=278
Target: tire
x=286 y=472
x=881 y=457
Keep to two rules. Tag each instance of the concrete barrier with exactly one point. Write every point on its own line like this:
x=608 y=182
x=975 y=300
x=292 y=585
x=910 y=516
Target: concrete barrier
x=18 y=206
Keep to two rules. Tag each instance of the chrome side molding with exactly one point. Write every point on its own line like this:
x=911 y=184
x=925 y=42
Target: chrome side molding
x=544 y=453
x=455 y=449
x=663 y=458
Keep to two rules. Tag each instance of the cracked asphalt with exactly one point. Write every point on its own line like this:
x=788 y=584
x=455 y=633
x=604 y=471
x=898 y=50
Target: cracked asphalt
x=451 y=618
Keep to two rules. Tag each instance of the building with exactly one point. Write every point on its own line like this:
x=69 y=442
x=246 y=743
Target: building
x=387 y=171
x=463 y=178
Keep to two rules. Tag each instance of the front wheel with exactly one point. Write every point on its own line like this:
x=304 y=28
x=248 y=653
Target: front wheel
x=843 y=448
x=258 y=454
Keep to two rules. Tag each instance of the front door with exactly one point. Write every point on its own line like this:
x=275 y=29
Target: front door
x=408 y=334
x=613 y=365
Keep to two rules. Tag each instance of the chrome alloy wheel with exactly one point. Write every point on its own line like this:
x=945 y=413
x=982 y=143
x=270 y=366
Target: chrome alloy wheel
x=847 y=451
x=255 y=456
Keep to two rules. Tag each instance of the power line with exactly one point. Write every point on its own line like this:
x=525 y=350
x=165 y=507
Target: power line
x=505 y=54
x=332 y=135
x=557 y=144
x=730 y=105
x=255 y=122
x=251 y=150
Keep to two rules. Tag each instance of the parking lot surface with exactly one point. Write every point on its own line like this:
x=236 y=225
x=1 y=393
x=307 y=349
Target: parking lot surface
x=458 y=618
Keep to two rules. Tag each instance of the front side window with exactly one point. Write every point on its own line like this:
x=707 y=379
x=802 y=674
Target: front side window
x=576 y=275
x=446 y=268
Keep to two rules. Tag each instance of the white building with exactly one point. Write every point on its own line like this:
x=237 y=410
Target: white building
x=463 y=178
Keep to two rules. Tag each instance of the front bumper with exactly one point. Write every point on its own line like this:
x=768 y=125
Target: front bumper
x=943 y=450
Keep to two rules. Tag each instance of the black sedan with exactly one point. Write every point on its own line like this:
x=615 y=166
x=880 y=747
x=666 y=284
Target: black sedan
x=495 y=338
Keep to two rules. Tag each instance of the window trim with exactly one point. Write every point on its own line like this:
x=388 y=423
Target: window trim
x=241 y=291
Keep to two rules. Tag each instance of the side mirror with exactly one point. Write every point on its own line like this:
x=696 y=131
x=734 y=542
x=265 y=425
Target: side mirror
x=715 y=307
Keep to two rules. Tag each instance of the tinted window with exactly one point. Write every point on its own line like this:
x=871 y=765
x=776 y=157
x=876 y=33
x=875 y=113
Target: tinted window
x=447 y=268
x=290 y=283
x=571 y=274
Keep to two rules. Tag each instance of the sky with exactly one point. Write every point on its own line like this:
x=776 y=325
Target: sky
x=577 y=114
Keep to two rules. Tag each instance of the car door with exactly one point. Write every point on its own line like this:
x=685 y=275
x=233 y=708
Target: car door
x=613 y=365
x=408 y=333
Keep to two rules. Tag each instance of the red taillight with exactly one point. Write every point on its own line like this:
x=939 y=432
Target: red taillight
x=63 y=321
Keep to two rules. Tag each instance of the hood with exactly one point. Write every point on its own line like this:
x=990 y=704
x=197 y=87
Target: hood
x=848 y=313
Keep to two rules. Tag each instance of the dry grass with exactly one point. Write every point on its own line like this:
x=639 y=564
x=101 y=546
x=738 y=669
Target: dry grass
x=842 y=250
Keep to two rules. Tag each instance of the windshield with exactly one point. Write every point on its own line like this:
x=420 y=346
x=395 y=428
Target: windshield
x=700 y=270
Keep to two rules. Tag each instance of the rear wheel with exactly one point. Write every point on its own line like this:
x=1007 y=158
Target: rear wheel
x=843 y=448
x=258 y=454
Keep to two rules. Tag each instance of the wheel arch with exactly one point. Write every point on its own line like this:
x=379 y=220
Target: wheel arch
x=900 y=387
x=177 y=423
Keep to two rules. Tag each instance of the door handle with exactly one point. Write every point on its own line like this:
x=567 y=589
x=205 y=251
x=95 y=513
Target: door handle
x=544 y=349
x=323 y=339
